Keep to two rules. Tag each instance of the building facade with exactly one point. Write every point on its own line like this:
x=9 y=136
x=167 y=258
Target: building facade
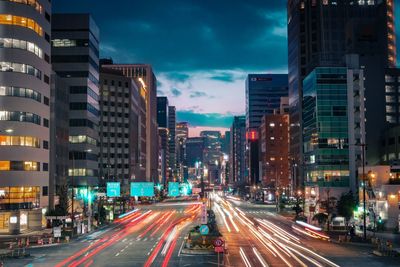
x=182 y=134
x=321 y=33
x=274 y=150
x=334 y=130
x=75 y=59
x=144 y=75
x=121 y=122
x=24 y=113
x=162 y=120
x=237 y=157
x=212 y=147
x=172 y=173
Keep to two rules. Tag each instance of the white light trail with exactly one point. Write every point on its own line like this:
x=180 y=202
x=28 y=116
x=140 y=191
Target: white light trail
x=260 y=258
x=244 y=258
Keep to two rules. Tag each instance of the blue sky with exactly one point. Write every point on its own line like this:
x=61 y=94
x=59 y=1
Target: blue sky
x=201 y=50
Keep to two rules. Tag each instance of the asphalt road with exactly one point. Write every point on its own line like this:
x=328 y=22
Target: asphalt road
x=152 y=236
x=257 y=236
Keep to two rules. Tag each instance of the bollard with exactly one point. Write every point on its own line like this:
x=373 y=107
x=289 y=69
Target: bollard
x=27 y=242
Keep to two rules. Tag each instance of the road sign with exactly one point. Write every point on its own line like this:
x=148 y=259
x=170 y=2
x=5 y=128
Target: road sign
x=203 y=215
x=113 y=189
x=204 y=230
x=219 y=249
x=57 y=231
x=173 y=189
x=218 y=242
x=142 y=189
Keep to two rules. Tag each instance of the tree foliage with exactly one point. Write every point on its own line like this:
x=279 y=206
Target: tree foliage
x=346 y=205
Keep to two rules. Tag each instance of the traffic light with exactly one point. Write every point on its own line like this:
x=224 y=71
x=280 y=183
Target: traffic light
x=379 y=220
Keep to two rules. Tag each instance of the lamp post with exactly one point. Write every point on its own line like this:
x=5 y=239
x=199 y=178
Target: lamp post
x=362 y=145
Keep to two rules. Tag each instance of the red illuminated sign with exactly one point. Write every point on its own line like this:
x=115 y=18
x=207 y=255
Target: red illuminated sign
x=252 y=135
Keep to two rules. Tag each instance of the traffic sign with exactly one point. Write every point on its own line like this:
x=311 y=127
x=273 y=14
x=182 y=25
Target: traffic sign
x=57 y=231
x=219 y=249
x=218 y=242
x=204 y=230
x=203 y=216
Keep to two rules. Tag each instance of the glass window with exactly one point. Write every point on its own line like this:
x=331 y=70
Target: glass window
x=4 y=165
x=21 y=21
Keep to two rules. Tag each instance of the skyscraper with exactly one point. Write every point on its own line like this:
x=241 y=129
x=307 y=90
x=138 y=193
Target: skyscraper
x=321 y=33
x=75 y=59
x=212 y=150
x=24 y=113
x=121 y=123
x=144 y=75
x=237 y=157
x=263 y=96
x=172 y=142
x=162 y=120
x=182 y=134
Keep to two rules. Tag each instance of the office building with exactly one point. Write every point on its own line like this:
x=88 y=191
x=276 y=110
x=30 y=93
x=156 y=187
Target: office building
x=274 y=150
x=195 y=147
x=172 y=142
x=321 y=33
x=144 y=75
x=75 y=59
x=263 y=96
x=182 y=134
x=212 y=147
x=226 y=142
x=237 y=153
x=24 y=113
x=334 y=131
x=162 y=120
x=122 y=121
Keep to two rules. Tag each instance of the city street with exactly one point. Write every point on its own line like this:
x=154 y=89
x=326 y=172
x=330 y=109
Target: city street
x=257 y=236
x=151 y=236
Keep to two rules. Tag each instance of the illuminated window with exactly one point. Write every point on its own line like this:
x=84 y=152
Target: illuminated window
x=20 y=92
x=21 y=44
x=19 y=141
x=78 y=139
x=272 y=124
x=20 y=116
x=4 y=165
x=21 y=68
x=33 y=3
x=63 y=43
x=21 y=21
x=80 y=172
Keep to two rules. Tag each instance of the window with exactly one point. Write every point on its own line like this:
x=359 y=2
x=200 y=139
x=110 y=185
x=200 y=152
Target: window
x=21 y=21
x=20 y=92
x=46 y=101
x=21 y=68
x=80 y=139
x=84 y=106
x=46 y=79
x=46 y=144
x=45 y=191
x=33 y=3
x=19 y=116
x=21 y=44
x=29 y=141
x=45 y=167
x=46 y=123
x=19 y=166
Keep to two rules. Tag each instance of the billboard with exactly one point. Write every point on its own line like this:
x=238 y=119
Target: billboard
x=113 y=189
x=142 y=189
x=173 y=189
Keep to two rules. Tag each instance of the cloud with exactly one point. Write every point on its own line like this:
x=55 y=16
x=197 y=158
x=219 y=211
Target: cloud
x=175 y=92
x=178 y=76
x=224 y=77
x=196 y=94
x=205 y=119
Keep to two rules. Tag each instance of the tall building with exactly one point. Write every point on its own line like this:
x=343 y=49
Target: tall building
x=274 y=150
x=143 y=73
x=172 y=142
x=321 y=33
x=195 y=151
x=24 y=113
x=237 y=158
x=334 y=130
x=226 y=142
x=182 y=134
x=263 y=96
x=121 y=123
x=162 y=120
x=75 y=59
x=212 y=150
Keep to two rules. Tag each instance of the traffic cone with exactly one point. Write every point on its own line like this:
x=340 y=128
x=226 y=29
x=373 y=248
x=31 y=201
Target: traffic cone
x=11 y=246
x=27 y=242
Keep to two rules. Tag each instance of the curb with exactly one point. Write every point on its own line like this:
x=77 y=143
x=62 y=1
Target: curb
x=197 y=252
x=352 y=243
x=47 y=245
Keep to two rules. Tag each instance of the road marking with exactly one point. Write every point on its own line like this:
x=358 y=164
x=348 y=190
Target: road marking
x=145 y=239
x=138 y=239
x=179 y=253
x=116 y=255
x=124 y=240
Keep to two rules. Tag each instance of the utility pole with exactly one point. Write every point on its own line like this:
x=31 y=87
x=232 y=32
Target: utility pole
x=364 y=193
x=73 y=193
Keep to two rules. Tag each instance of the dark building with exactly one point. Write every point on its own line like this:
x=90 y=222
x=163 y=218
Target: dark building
x=263 y=96
x=121 y=122
x=321 y=33
x=194 y=151
x=212 y=147
x=144 y=76
x=162 y=120
x=237 y=153
x=75 y=59
x=182 y=134
x=172 y=142
x=226 y=142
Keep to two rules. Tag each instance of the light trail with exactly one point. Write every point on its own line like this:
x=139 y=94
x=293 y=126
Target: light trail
x=162 y=223
x=244 y=258
x=260 y=258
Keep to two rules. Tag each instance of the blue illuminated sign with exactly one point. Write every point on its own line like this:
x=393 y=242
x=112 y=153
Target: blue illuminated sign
x=142 y=189
x=173 y=189
x=113 y=189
